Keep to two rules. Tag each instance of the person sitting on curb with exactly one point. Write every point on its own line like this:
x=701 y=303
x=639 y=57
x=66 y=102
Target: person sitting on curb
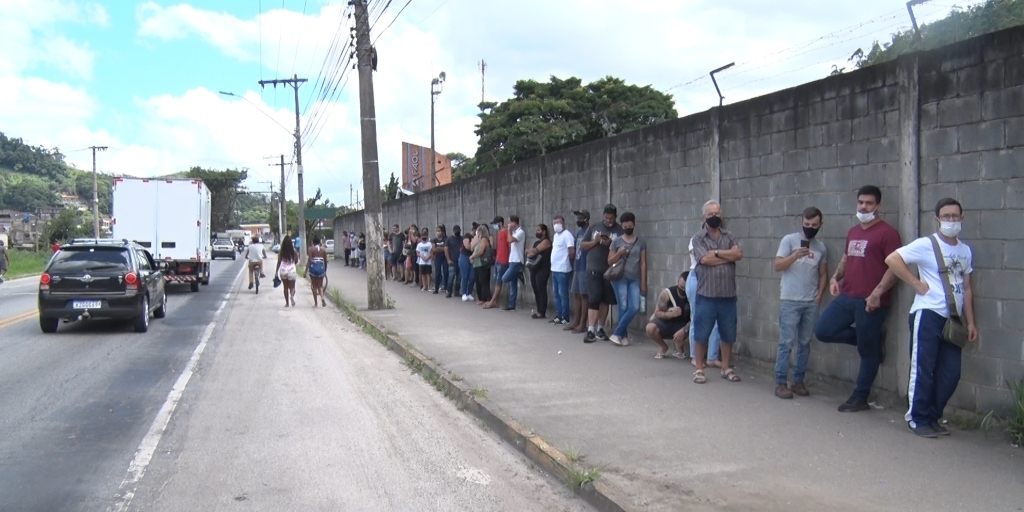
x=671 y=319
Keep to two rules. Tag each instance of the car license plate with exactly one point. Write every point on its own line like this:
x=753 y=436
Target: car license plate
x=85 y=304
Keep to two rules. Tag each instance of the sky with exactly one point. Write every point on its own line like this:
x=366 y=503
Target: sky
x=144 y=78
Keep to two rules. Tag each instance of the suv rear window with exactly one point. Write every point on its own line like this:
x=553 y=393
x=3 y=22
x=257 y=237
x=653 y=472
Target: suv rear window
x=82 y=259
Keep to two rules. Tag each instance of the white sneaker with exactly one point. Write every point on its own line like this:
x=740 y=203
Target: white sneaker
x=615 y=339
x=465 y=298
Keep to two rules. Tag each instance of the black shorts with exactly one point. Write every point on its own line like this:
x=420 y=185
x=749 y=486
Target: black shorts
x=425 y=270
x=599 y=290
x=397 y=259
x=668 y=328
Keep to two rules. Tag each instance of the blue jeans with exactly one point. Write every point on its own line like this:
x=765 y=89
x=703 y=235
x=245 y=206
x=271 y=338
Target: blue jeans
x=934 y=368
x=453 y=273
x=440 y=273
x=511 y=277
x=712 y=310
x=796 y=326
x=466 y=269
x=836 y=326
x=691 y=296
x=562 y=294
x=627 y=294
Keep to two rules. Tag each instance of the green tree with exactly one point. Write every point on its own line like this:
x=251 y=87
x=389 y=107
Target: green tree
x=223 y=187
x=961 y=23
x=81 y=185
x=462 y=166
x=389 y=191
x=68 y=224
x=544 y=117
x=25 y=192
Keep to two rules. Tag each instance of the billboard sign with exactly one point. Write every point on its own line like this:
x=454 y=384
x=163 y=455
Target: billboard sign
x=417 y=175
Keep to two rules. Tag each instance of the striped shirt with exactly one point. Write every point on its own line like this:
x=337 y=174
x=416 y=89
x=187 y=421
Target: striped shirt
x=718 y=281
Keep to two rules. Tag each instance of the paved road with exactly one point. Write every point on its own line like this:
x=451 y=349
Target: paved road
x=285 y=409
x=76 y=404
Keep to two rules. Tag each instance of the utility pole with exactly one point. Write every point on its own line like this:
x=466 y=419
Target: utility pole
x=483 y=82
x=433 y=155
x=371 y=172
x=281 y=205
x=295 y=81
x=95 y=193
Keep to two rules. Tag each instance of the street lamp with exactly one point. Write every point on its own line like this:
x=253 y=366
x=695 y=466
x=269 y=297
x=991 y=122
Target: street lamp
x=435 y=89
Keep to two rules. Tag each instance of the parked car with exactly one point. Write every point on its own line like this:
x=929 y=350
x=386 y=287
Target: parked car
x=224 y=249
x=330 y=246
x=101 y=279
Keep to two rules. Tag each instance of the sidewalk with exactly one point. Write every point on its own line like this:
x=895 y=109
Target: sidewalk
x=670 y=444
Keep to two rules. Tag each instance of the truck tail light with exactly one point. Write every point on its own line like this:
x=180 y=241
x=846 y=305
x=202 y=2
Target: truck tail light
x=132 y=279
x=44 y=282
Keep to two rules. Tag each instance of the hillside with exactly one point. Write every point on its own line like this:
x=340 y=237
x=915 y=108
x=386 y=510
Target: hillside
x=34 y=177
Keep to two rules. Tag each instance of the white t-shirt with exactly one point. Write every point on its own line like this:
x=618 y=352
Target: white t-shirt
x=518 y=249
x=560 y=246
x=693 y=261
x=255 y=252
x=423 y=251
x=957 y=258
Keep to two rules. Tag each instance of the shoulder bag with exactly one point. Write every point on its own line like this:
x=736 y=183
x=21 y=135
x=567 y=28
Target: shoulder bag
x=618 y=269
x=954 y=331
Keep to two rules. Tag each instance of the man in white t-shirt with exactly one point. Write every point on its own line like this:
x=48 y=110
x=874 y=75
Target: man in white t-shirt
x=563 y=249
x=517 y=251
x=934 y=361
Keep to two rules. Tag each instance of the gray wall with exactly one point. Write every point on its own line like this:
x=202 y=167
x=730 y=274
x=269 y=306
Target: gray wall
x=949 y=122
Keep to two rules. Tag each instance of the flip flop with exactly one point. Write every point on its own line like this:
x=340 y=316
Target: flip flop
x=679 y=355
x=660 y=355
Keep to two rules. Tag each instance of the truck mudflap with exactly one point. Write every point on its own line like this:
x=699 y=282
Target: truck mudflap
x=181 y=278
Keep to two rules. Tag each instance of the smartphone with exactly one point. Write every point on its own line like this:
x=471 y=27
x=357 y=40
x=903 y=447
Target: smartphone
x=805 y=243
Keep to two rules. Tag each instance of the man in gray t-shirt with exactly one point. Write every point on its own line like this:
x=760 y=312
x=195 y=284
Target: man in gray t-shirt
x=397 y=239
x=801 y=261
x=4 y=261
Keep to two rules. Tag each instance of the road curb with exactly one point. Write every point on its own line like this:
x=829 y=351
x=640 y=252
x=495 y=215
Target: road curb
x=22 y=278
x=600 y=495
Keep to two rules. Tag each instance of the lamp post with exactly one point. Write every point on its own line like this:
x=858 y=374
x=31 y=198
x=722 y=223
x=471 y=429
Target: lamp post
x=435 y=89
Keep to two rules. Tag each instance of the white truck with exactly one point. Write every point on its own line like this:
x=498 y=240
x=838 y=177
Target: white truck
x=171 y=219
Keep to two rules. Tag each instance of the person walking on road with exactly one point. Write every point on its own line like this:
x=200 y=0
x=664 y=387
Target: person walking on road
x=934 y=360
x=5 y=261
x=481 y=260
x=287 y=259
x=255 y=255
x=861 y=286
x=801 y=259
x=670 y=319
x=633 y=284
x=562 y=254
x=538 y=260
x=716 y=252
x=316 y=269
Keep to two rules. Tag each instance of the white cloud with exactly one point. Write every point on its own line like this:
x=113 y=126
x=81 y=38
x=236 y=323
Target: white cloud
x=31 y=37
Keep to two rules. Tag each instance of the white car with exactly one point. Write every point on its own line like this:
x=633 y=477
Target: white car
x=223 y=249
x=330 y=247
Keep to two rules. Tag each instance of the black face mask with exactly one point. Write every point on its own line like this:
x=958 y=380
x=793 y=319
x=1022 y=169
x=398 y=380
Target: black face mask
x=628 y=231
x=810 y=232
x=581 y=223
x=714 y=222
x=539 y=235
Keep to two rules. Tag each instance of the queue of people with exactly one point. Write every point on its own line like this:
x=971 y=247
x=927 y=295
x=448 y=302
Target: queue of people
x=595 y=267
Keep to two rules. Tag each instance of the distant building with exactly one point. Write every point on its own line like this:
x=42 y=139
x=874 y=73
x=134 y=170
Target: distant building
x=417 y=174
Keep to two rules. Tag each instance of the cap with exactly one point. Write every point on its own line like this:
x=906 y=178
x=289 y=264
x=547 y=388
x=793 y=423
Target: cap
x=498 y=220
x=456 y=228
x=581 y=213
x=610 y=208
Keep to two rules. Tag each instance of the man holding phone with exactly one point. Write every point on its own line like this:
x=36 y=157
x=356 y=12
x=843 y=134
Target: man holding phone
x=801 y=261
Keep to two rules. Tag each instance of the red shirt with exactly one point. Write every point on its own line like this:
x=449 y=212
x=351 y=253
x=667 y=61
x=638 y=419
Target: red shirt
x=503 y=247
x=865 y=259
x=55 y=247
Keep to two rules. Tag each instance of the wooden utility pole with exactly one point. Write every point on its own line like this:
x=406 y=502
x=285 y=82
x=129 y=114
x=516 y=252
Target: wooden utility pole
x=295 y=81
x=281 y=205
x=95 y=193
x=483 y=78
x=371 y=174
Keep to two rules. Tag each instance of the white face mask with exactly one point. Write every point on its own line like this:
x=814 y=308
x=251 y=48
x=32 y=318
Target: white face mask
x=949 y=228
x=559 y=228
x=864 y=218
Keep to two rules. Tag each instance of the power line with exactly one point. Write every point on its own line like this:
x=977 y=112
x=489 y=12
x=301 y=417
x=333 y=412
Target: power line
x=392 y=22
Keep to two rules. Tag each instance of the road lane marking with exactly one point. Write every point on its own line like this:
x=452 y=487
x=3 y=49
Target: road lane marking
x=11 y=320
x=144 y=454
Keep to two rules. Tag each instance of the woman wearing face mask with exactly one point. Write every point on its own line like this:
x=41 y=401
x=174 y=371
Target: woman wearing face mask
x=539 y=263
x=481 y=265
x=633 y=284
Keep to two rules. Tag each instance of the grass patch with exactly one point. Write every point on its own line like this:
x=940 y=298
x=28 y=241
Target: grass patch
x=1012 y=423
x=965 y=422
x=25 y=263
x=479 y=393
x=571 y=454
x=579 y=477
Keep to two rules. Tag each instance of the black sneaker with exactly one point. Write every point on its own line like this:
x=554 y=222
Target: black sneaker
x=250 y=286
x=854 y=404
x=508 y=308
x=923 y=431
x=939 y=429
x=601 y=335
x=589 y=337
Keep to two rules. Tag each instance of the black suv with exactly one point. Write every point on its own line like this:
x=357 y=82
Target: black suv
x=101 y=279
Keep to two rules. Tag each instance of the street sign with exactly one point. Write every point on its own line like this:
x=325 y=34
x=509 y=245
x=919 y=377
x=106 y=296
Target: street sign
x=321 y=213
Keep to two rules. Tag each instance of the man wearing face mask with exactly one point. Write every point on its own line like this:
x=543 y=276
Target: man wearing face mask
x=597 y=241
x=801 y=261
x=861 y=286
x=934 y=361
x=563 y=250
x=501 y=254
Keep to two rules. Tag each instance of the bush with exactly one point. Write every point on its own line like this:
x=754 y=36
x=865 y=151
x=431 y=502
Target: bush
x=26 y=263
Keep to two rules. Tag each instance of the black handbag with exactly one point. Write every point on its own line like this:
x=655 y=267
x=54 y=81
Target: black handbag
x=618 y=269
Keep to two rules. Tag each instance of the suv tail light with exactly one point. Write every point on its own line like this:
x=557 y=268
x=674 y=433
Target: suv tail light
x=132 y=279
x=44 y=282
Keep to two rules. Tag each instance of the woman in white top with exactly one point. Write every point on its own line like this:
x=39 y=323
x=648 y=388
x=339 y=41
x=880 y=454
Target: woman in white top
x=287 y=259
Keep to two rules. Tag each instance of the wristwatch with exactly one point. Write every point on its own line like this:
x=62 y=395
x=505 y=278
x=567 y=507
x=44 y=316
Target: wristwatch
x=716 y=254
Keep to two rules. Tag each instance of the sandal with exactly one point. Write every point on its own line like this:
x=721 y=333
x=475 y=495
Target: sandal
x=730 y=375
x=660 y=355
x=679 y=355
x=698 y=377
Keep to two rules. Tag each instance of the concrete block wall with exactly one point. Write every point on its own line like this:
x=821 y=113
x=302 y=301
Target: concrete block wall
x=945 y=122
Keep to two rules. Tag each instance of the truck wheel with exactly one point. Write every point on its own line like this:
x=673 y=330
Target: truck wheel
x=48 y=325
x=161 y=311
x=142 y=317
x=195 y=286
